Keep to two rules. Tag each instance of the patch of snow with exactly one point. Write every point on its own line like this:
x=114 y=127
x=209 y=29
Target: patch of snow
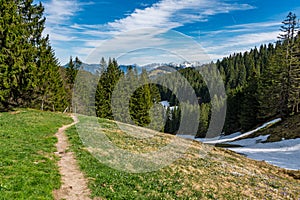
x=209 y=139
x=285 y=154
x=165 y=104
x=173 y=108
x=231 y=135
x=242 y=135
x=250 y=141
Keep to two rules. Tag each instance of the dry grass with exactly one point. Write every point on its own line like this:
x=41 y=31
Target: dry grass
x=203 y=172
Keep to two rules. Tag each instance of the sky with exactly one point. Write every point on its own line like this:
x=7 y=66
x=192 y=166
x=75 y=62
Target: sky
x=161 y=31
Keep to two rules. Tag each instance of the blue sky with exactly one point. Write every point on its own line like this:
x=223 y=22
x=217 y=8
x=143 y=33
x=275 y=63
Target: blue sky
x=153 y=31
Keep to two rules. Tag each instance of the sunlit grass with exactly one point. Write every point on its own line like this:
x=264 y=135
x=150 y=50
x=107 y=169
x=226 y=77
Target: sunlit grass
x=28 y=168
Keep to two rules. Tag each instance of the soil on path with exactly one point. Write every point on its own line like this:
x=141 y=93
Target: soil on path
x=74 y=185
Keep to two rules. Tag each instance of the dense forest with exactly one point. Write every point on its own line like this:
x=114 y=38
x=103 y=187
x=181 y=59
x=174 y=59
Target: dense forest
x=261 y=84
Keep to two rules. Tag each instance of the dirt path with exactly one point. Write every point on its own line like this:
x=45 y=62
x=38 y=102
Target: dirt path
x=74 y=184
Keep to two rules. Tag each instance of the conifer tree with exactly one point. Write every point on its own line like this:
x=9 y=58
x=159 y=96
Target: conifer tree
x=24 y=53
x=294 y=100
x=105 y=88
x=250 y=104
x=270 y=88
x=288 y=28
x=142 y=100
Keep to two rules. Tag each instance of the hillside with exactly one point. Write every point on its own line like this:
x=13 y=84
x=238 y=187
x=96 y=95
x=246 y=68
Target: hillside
x=28 y=162
x=203 y=171
x=286 y=129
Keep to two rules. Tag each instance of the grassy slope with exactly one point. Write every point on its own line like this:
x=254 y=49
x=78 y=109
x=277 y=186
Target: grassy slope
x=220 y=175
x=28 y=167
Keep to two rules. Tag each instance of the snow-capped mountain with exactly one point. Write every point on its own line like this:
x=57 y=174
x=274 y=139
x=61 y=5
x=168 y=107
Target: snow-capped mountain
x=149 y=67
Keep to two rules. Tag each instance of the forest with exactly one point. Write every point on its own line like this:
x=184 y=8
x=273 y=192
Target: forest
x=261 y=84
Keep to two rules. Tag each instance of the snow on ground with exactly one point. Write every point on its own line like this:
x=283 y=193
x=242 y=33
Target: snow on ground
x=241 y=135
x=165 y=104
x=285 y=154
x=250 y=141
x=231 y=137
x=209 y=139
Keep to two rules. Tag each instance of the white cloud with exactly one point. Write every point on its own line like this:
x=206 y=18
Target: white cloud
x=161 y=17
x=132 y=30
x=254 y=25
x=239 y=43
x=59 y=11
x=253 y=38
x=170 y=14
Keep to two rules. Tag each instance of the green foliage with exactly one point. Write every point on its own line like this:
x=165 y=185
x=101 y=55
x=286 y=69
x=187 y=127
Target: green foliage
x=141 y=94
x=28 y=68
x=250 y=104
x=173 y=117
x=142 y=100
x=105 y=88
x=271 y=85
x=204 y=120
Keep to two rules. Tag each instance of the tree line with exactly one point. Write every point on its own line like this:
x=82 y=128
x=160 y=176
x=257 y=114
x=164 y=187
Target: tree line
x=264 y=83
x=261 y=84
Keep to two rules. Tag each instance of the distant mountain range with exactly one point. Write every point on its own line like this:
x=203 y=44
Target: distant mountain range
x=150 y=67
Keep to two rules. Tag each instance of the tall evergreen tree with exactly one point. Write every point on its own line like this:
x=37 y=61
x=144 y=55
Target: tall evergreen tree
x=250 y=103
x=22 y=50
x=294 y=100
x=105 y=88
x=288 y=28
x=143 y=99
x=270 y=88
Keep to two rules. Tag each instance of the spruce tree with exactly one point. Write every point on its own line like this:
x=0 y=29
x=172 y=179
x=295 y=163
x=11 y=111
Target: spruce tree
x=288 y=28
x=105 y=88
x=250 y=104
x=294 y=100
x=24 y=53
x=142 y=101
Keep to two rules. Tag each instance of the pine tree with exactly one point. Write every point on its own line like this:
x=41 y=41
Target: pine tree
x=234 y=103
x=102 y=67
x=287 y=36
x=250 y=104
x=294 y=100
x=50 y=91
x=203 y=120
x=105 y=88
x=22 y=50
x=142 y=101
x=72 y=70
x=270 y=88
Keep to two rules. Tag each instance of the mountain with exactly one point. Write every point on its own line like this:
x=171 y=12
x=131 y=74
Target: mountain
x=160 y=67
x=93 y=67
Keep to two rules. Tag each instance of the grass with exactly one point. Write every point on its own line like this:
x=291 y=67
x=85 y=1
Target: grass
x=28 y=168
x=221 y=174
